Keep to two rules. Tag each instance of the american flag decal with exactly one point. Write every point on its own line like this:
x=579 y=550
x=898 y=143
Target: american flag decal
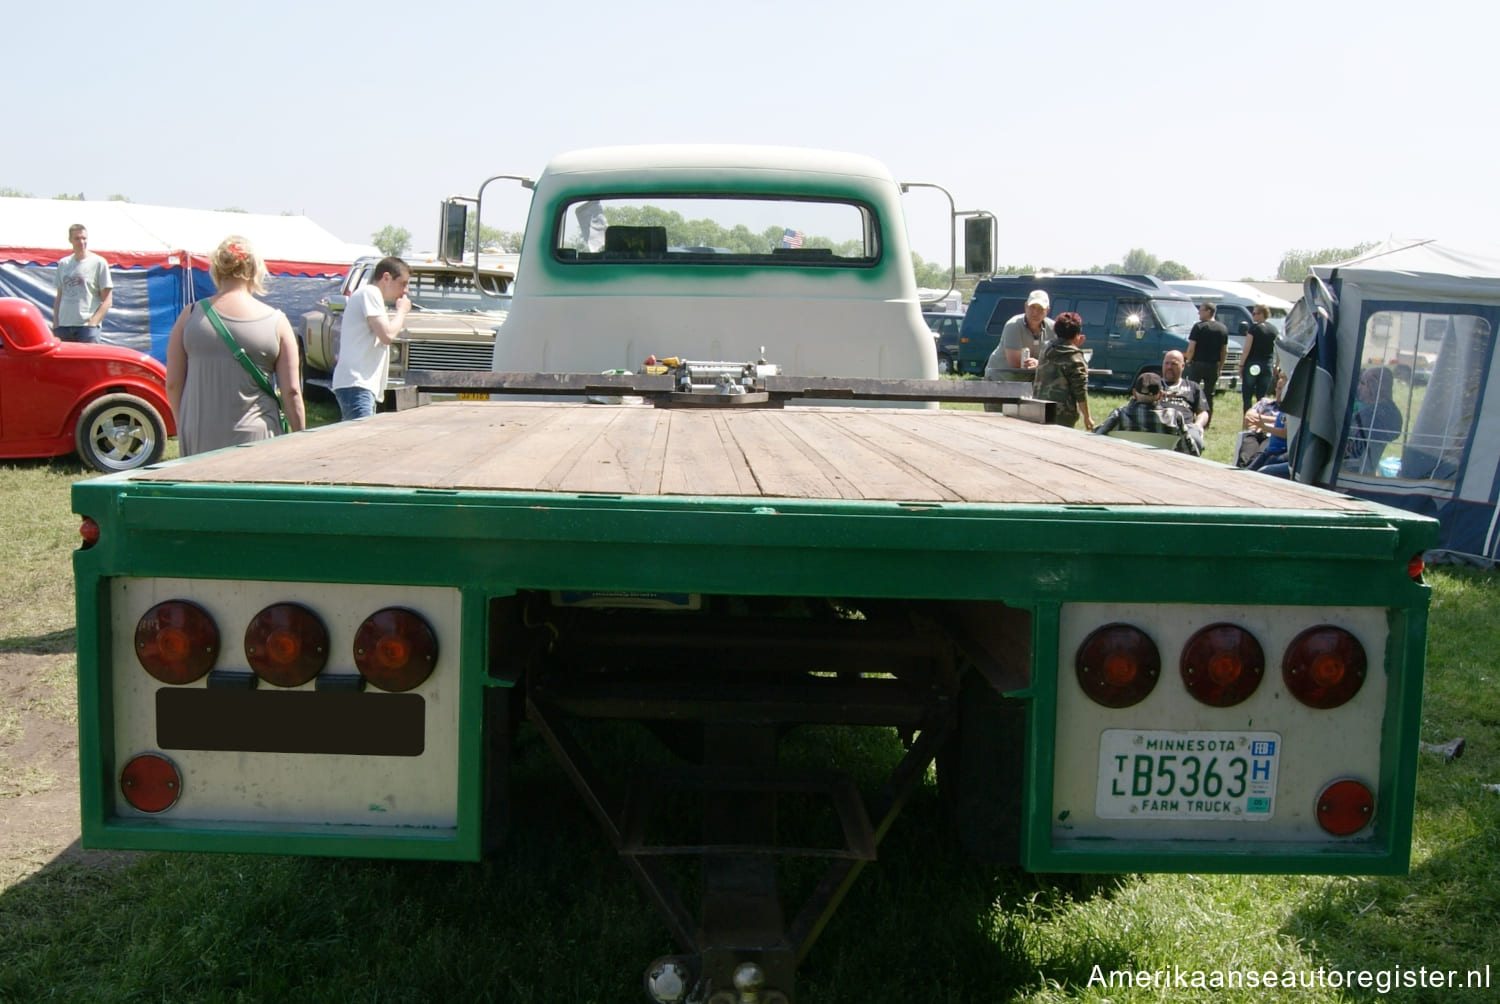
x=791 y=238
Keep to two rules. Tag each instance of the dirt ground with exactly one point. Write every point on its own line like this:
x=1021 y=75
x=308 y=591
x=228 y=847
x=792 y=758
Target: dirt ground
x=39 y=817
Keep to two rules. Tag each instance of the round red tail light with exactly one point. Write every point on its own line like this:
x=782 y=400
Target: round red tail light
x=1324 y=667
x=1222 y=665
x=150 y=782
x=286 y=644
x=177 y=641
x=1345 y=807
x=89 y=531
x=395 y=649
x=1118 y=665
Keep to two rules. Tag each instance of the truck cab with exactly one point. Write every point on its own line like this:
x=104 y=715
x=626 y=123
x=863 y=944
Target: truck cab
x=716 y=252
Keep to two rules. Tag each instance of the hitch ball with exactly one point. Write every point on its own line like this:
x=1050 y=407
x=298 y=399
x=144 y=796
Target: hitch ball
x=667 y=981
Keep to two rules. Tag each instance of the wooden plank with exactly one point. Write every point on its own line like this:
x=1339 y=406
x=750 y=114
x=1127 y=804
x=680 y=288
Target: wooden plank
x=783 y=466
x=889 y=454
x=551 y=444
x=967 y=455
x=701 y=458
x=620 y=459
x=840 y=442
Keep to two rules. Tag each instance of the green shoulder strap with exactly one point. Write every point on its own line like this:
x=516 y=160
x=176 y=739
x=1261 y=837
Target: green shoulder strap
x=244 y=360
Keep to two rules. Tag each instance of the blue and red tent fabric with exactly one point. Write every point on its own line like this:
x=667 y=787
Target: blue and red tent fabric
x=158 y=258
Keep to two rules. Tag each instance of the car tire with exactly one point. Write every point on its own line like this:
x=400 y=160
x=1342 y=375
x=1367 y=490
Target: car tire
x=119 y=432
x=945 y=365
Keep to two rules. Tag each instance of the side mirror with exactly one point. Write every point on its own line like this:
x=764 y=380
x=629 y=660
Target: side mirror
x=1244 y=327
x=979 y=241
x=453 y=227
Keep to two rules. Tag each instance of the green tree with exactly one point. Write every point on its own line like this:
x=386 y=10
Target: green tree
x=930 y=275
x=14 y=193
x=1170 y=270
x=392 y=240
x=117 y=197
x=233 y=209
x=64 y=197
x=493 y=239
x=1139 y=262
x=1295 y=265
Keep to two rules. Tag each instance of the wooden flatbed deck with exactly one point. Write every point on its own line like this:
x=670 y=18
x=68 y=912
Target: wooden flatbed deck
x=802 y=453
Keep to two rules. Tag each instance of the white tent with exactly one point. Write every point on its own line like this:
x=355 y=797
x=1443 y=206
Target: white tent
x=1425 y=314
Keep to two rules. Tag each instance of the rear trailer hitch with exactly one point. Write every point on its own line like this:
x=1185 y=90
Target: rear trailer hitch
x=670 y=979
x=740 y=948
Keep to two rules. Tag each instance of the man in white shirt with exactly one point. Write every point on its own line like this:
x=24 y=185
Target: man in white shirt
x=365 y=338
x=85 y=291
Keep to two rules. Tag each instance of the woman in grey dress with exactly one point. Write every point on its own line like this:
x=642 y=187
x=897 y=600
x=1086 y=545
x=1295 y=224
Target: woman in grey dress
x=216 y=402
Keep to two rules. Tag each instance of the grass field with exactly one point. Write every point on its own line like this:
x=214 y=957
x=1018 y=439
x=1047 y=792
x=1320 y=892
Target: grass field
x=554 y=916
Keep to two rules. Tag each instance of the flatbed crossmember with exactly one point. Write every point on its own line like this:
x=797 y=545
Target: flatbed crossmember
x=1014 y=397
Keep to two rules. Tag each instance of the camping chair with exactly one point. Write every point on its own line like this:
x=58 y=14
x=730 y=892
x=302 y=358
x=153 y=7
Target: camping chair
x=1248 y=445
x=1155 y=440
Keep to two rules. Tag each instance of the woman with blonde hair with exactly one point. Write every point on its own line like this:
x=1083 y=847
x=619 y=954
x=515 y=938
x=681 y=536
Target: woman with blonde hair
x=217 y=399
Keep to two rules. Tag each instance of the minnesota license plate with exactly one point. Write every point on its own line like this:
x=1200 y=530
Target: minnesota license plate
x=1156 y=774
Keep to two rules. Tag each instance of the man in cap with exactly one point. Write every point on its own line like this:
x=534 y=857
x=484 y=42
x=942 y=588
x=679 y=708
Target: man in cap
x=1023 y=338
x=1145 y=412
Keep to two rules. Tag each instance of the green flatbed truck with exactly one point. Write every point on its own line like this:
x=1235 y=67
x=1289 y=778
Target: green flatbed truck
x=1120 y=659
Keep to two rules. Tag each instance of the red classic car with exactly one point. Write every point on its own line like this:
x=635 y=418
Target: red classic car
x=107 y=403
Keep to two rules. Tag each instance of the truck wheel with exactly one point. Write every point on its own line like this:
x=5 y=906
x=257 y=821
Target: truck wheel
x=945 y=365
x=119 y=432
x=981 y=772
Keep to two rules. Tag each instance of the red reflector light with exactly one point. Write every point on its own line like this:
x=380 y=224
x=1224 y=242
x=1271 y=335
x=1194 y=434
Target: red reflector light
x=150 y=782
x=1118 y=665
x=286 y=644
x=89 y=531
x=1345 y=807
x=1222 y=665
x=1324 y=667
x=1416 y=566
x=176 y=641
x=395 y=649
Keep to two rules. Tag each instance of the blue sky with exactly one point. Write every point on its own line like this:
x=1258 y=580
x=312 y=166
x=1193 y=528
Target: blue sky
x=1219 y=135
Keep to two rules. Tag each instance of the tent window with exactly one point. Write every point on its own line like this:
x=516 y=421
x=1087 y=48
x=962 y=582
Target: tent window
x=1418 y=395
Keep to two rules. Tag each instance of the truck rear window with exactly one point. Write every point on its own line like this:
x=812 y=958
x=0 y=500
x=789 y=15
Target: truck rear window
x=692 y=229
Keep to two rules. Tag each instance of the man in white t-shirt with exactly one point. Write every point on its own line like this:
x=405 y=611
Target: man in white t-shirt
x=85 y=290
x=365 y=338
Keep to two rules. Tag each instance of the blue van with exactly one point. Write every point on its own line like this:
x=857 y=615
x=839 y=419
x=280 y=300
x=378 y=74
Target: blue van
x=1129 y=321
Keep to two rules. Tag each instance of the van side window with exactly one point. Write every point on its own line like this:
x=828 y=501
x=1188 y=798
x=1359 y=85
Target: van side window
x=1130 y=315
x=1093 y=312
x=1232 y=317
x=1005 y=308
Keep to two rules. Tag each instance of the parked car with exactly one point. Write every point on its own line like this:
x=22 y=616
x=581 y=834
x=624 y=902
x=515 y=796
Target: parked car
x=106 y=402
x=945 y=327
x=451 y=325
